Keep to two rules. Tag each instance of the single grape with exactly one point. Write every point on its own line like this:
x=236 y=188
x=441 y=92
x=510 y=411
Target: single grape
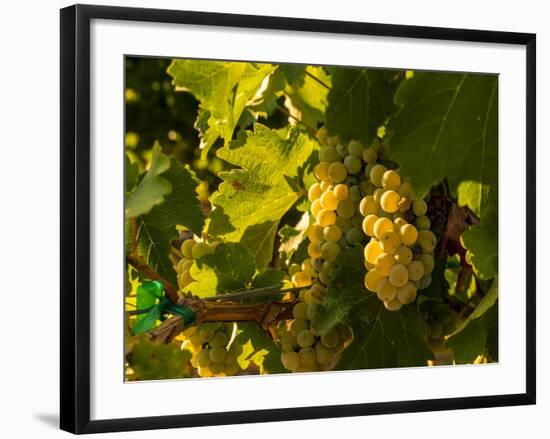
x=403 y=255
x=372 y=279
x=314 y=249
x=355 y=148
x=353 y=164
x=331 y=233
x=328 y=154
x=314 y=192
x=384 y=263
x=328 y=267
x=321 y=135
x=389 y=241
x=381 y=226
x=204 y=372
x=346 y=209
x=337 y=172
x=341 y=192
x=321 y=171
x=427 y=241
x=307 y=357
x=385 y=290
x=404 y=205
x=333 y=140
x=326 y=218
x=329 y=200
x=350 y=181
x=405 y=190
x=314 y=233
x=368 y=205
x=391 y=180
x=329 y=251
x=305 y=339
x=393 y=305
x=325 y=186
x=331 y=338
x=204 y=333
x=372 y=250
x=289 y=338
x=416 y=270
x=408 y=234
x=399 y=275
x=366 y=187
x=406 y=294
x=290 y=360
x=231 y=369
x=377 y=195
x=217 y=355
x=300 y=311
x=324 y=355
x=376 y=174
x=311 y=311
x=218 y=340
x=354 y=236
x=419 y=207
x=354 y=194
x=185 y=279
x=301 y=279
x=203 y=358
x=184 y=265
x=342 y=150
x=201 y=249
x=344 y=331
x=428 y=262
x=298 y=325
x=424 y=282
x=368 y=224
x=369 y=155
x=389 y=201
x=187 y=247
x=423 y=222
x=316 y=208
x=344 y=223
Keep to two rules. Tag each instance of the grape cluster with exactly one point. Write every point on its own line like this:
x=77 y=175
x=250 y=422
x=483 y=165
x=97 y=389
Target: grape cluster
x=304 y=350
x=213 y=352
x=440 y=321
x=191 y=249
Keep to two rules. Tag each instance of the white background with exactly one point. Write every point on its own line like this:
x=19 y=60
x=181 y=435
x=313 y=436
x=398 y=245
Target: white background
x=30 y=205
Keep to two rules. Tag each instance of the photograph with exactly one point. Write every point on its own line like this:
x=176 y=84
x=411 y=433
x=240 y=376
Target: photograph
x=297 y=218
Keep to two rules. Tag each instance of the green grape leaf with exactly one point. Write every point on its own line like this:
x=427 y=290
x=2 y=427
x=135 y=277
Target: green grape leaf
x=269 y=278
x=360 y=101
x=383 y=338
x=447 y=126
x=156 y=229
x=291 y=237
x=345 y=290
x=229 y=268
x=152 y=189
x=258 y=348
x=253 y=197
x=223 y=89
x=481 y=241
x=131 y=173
x=477 y=334
x=151 y=361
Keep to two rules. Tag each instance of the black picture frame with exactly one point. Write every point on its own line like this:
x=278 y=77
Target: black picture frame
x=75 y=217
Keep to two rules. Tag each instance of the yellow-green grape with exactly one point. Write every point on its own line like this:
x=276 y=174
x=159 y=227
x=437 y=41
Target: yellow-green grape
x=204 y=372
x=419 y=207
x=326 y=218
x=329 y=251
x=290 y=360
x=403 y=255
x=416 y=270
x=384 y=263
x=424 y=282
x=316 y=292
x=314 y=249
x=328 y=154
x=321 y=171
x=301 y=279
x=201 y=249
x=305 y=338
x=398 y=223
x=344 y=331
x=408 y=234
x=428 y=262
x=331 y=338
x=307 y=357
x=217 y=355
x=353 y=164
x=315 y=233
x=324 y=355
x=341 y=192
x=329 y=200
x=366 y=187
x=300 y=311
x=311 y=310
x=404 y=205
x=368 y=206
x=332 y=233
x=289 y=338
x=368 y=224
x=393 y=305
x=231 y=369
x=203 y=358
x=293 y=269
x=333 y=140
x=355 y=148
x=314 y=192
x=184 y=265
x=381 y=226
x=369 y=155
x=344 y=223
x=346 y=209
x=354 y=235
x=298 y=326
x=357 y=220
x=372 y=250
x=325 y=186
x=389 y=201
x=187 y=247
x=391 y=180
x=217 y=368
x=405 y=190
x=376 y=174
x=322 y=135
x=185 y=279
x=337 y=172
x=385 y=290
x=423 y=222
x=327 y=267
x=218 y=340
x=406 y=294
x=354 y=194
x=342 y=150
x=316 y=208
x=399 y=275
x=389 y=242
x=377 y=195
x=372 y=280
x=427 y=241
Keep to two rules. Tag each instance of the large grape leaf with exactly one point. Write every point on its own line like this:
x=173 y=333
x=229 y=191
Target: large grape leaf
x=258 y=348
x=229 y=268
x=223 y=89
x=360 y=101
x=254 y=196
x=481 y=241
x=152 y=188
x=156 y=229
x=447 y=126
x=476 y=335
x=381 y=338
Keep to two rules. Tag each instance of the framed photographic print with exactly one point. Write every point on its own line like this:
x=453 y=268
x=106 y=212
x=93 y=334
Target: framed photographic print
x=257 y=207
